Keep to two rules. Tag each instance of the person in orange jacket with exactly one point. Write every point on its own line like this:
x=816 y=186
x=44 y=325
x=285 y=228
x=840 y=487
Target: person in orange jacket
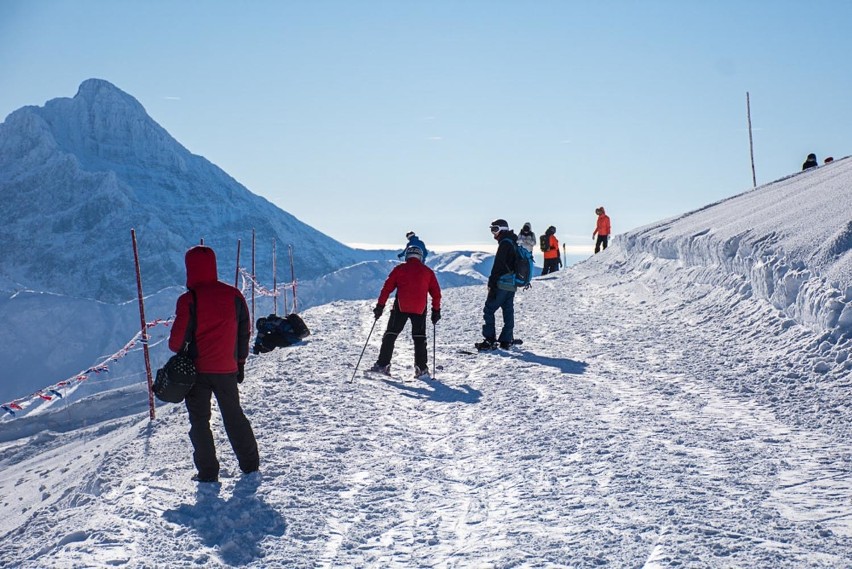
x=412 y=280
x=552 y=258
x=602 y=230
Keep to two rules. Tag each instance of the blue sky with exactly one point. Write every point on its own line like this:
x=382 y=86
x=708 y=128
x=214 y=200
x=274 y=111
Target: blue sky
x=368 y=119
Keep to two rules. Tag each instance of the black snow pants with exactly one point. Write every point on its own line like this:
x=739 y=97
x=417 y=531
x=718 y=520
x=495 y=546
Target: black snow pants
x=237 y=426
x=396 y=323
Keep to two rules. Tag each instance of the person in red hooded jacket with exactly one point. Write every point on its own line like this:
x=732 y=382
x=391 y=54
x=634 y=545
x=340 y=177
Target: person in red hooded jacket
x=412 y=280
x=602 y=230
x=220 y=350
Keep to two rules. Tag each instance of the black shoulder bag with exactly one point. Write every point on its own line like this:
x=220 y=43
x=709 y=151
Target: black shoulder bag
x=176 y=378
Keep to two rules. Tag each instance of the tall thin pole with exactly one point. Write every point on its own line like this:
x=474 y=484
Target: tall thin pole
x=237 y=275
x=253 y=281
x=750 y=141
x=274 y=281
x=293 y=278
x=144 y=327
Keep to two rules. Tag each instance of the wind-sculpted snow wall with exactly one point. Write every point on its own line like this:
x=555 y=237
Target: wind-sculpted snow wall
x=789 y=243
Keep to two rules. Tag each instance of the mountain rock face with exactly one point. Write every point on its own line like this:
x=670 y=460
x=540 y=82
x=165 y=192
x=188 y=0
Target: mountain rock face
x=77 y=174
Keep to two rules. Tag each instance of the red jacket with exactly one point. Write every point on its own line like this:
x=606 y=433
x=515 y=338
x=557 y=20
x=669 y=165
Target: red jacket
x=412 y=280
x=603 y=226
x=222 y=317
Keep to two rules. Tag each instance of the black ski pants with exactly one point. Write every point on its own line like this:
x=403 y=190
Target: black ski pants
x=396 y=323
x=602 y=242
x=550 y=266
x=237 y=426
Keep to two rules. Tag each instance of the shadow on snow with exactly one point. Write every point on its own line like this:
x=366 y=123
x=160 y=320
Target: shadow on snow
x=565 y=365
x=235 y=526
x=437 y=391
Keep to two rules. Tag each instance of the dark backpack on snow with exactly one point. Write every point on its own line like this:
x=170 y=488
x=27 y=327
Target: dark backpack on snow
x=274 y=331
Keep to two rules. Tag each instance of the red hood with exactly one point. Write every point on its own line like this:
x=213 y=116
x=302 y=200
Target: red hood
x=200 y=266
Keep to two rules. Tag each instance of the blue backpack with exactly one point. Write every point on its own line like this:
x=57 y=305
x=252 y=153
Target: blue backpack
x=524 y=267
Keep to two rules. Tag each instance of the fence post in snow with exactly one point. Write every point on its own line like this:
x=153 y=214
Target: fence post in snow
x=237 y=275
x=750 y=141
x=293 y=278
x=274 y=281
x=144 y=328
x=253 y=280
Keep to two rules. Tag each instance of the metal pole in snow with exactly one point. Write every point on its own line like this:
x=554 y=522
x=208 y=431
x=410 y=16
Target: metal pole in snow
x=144 y=327
x=293 y=278
x=237 y=275
x=274 y=281
x=750 y=141
x=253 y=280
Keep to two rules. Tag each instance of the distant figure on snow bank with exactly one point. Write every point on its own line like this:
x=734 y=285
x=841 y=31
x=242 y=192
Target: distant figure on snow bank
x=602 y=230
x=811 y=162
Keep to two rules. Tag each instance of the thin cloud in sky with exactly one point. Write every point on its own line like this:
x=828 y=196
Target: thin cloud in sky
x=435 y=138
x=168 y=98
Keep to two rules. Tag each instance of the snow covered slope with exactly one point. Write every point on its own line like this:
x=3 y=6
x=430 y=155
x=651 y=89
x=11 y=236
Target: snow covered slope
x=77 y=174
x=662 y=412
x=789 y=242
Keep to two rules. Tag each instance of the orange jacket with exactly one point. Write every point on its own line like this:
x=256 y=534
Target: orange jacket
x=553 y=252
x=603 y=227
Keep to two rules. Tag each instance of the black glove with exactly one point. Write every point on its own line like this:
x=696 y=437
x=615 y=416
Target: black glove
x=241 y=372
x=378 y=310
x=436 y=315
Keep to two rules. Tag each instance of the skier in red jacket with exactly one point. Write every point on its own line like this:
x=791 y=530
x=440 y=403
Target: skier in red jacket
x=412 y=281
x=220 y=350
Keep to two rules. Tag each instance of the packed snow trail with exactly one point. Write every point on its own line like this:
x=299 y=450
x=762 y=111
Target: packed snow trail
x=631 y=429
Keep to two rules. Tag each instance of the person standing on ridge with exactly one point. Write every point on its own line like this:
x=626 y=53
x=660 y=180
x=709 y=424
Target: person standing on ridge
x=501 y=291
x=415 y=241
x=412 y=280
x=602 y=230
x=526 y=238
x=550 y=248
x=811 y=162
x=220 y=350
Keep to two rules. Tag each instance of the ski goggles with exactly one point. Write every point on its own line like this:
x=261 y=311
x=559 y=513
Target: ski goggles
x=495 y=229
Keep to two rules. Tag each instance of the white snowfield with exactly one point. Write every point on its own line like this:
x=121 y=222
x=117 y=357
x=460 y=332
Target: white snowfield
x=680 y=400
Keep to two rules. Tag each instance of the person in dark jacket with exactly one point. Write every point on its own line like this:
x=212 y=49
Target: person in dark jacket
x=501 y=290
x=413 y=239
x=220 y=350
x=412 y=281
x=811 y=162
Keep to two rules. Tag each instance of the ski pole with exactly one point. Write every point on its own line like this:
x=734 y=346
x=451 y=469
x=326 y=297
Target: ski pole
x=434 y=349
x=363 y=350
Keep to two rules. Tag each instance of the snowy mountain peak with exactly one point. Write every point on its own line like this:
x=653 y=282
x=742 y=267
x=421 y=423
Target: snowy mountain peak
x=87 y=169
